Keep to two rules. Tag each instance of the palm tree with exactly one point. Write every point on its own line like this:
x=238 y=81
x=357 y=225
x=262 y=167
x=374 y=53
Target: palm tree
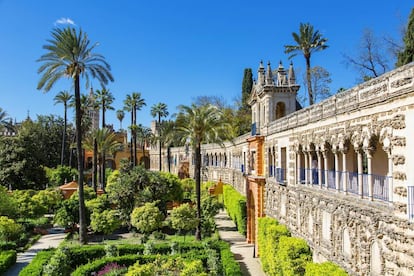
x=120 y=114
x=101 y=141
x=104 y=99
x=133 y=103
x=3 y=118
x=69 y=54
x=196 y=125
x=159 y=110
x=144 y=135
x=63 y=97
x=307 y=41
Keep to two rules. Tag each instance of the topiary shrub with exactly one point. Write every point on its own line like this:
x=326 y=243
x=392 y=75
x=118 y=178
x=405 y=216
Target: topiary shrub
x=147 y=218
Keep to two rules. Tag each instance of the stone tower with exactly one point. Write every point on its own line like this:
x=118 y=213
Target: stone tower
x=273 y=96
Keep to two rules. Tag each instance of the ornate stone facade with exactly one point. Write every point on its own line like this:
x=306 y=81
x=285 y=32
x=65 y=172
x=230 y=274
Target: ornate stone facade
x=338 y=174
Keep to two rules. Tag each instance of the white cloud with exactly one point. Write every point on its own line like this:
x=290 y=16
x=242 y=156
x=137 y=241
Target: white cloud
x=65 y=21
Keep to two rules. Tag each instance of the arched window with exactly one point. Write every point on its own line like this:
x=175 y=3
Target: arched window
x=280 y=110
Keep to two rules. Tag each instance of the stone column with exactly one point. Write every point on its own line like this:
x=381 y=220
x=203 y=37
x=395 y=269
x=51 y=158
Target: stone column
x=318 y=153
x=390 y=179
x=369 y=152
x=298 y=162
x=305 y=156
x=345 y=176
x=325 y=164
x=335 y=152
x=360 y=171
x=310 y=168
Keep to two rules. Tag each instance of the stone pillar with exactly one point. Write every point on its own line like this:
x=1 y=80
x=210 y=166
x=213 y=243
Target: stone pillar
x=369 y=152
x=360 y=171
x=305 y=155
x=345 y=176
x=389 y=174
x=298 y=154
x=335 y=152
x=310 y=168
x=318 y=153
x=325 y=164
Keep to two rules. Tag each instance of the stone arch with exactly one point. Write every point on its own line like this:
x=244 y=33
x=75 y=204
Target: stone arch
x=375 y=259
x=280 y=110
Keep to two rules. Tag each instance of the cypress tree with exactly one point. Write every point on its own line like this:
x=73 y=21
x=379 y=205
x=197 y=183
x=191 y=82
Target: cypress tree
x=246 y=88
x=407 y=55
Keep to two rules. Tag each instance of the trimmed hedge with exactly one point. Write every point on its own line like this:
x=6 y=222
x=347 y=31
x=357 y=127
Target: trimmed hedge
x=230 y=266
x=293 y=255
x=270 y=232
x=326 y=268
x=7 y=259
x=236 y=207
x=35 y=267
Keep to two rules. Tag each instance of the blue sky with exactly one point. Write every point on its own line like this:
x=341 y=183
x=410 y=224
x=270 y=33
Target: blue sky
x=174 y=51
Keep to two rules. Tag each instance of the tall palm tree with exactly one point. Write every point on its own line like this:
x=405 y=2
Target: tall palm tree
x=144 y=135
x=104 y=99
x=63 y=97
x=69 y=54
x=159 y=110
x=307 y=41
x=120 y=115
x=196 y=125
x=101 y=141
x=133 y=103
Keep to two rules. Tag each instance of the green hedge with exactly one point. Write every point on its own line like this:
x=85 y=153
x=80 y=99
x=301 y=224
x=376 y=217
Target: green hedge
x=326 y=268
x=293 y=255
x=270 y=232
x=230 y=266
x=7 y=259
x=235 y=205
x=35 y=267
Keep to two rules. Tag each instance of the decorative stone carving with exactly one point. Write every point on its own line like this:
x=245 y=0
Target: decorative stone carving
x=401 y=82
x=401 y=191
x=398 y=141
x=398 y=122
x=399 y=175
x=398 y=159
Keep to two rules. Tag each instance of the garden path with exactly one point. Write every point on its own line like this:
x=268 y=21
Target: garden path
x=242 y=251
x=51 y=240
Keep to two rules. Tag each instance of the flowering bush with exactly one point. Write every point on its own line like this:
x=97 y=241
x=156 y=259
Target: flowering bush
x=112 y=269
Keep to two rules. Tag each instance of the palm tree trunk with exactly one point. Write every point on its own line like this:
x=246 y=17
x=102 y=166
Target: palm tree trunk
x=62 y=155
x=131 y=146
x=82 y=215
x=169 y=158
x=103 y=151
x=95 y=165
x=135 y=136
x=197 y=174
x=159 y=139
x=308 y=79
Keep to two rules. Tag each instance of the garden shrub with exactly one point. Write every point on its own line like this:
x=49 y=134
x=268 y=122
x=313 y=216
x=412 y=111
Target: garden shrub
x=35 y=267
x=269 y=234
x=7 y=245
x=326 y=268
x=7 y=259
x=229 y=264
x=9 y=229
x=147 y=218
x=293 y=254
x=58 y=264
x=235 y=205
